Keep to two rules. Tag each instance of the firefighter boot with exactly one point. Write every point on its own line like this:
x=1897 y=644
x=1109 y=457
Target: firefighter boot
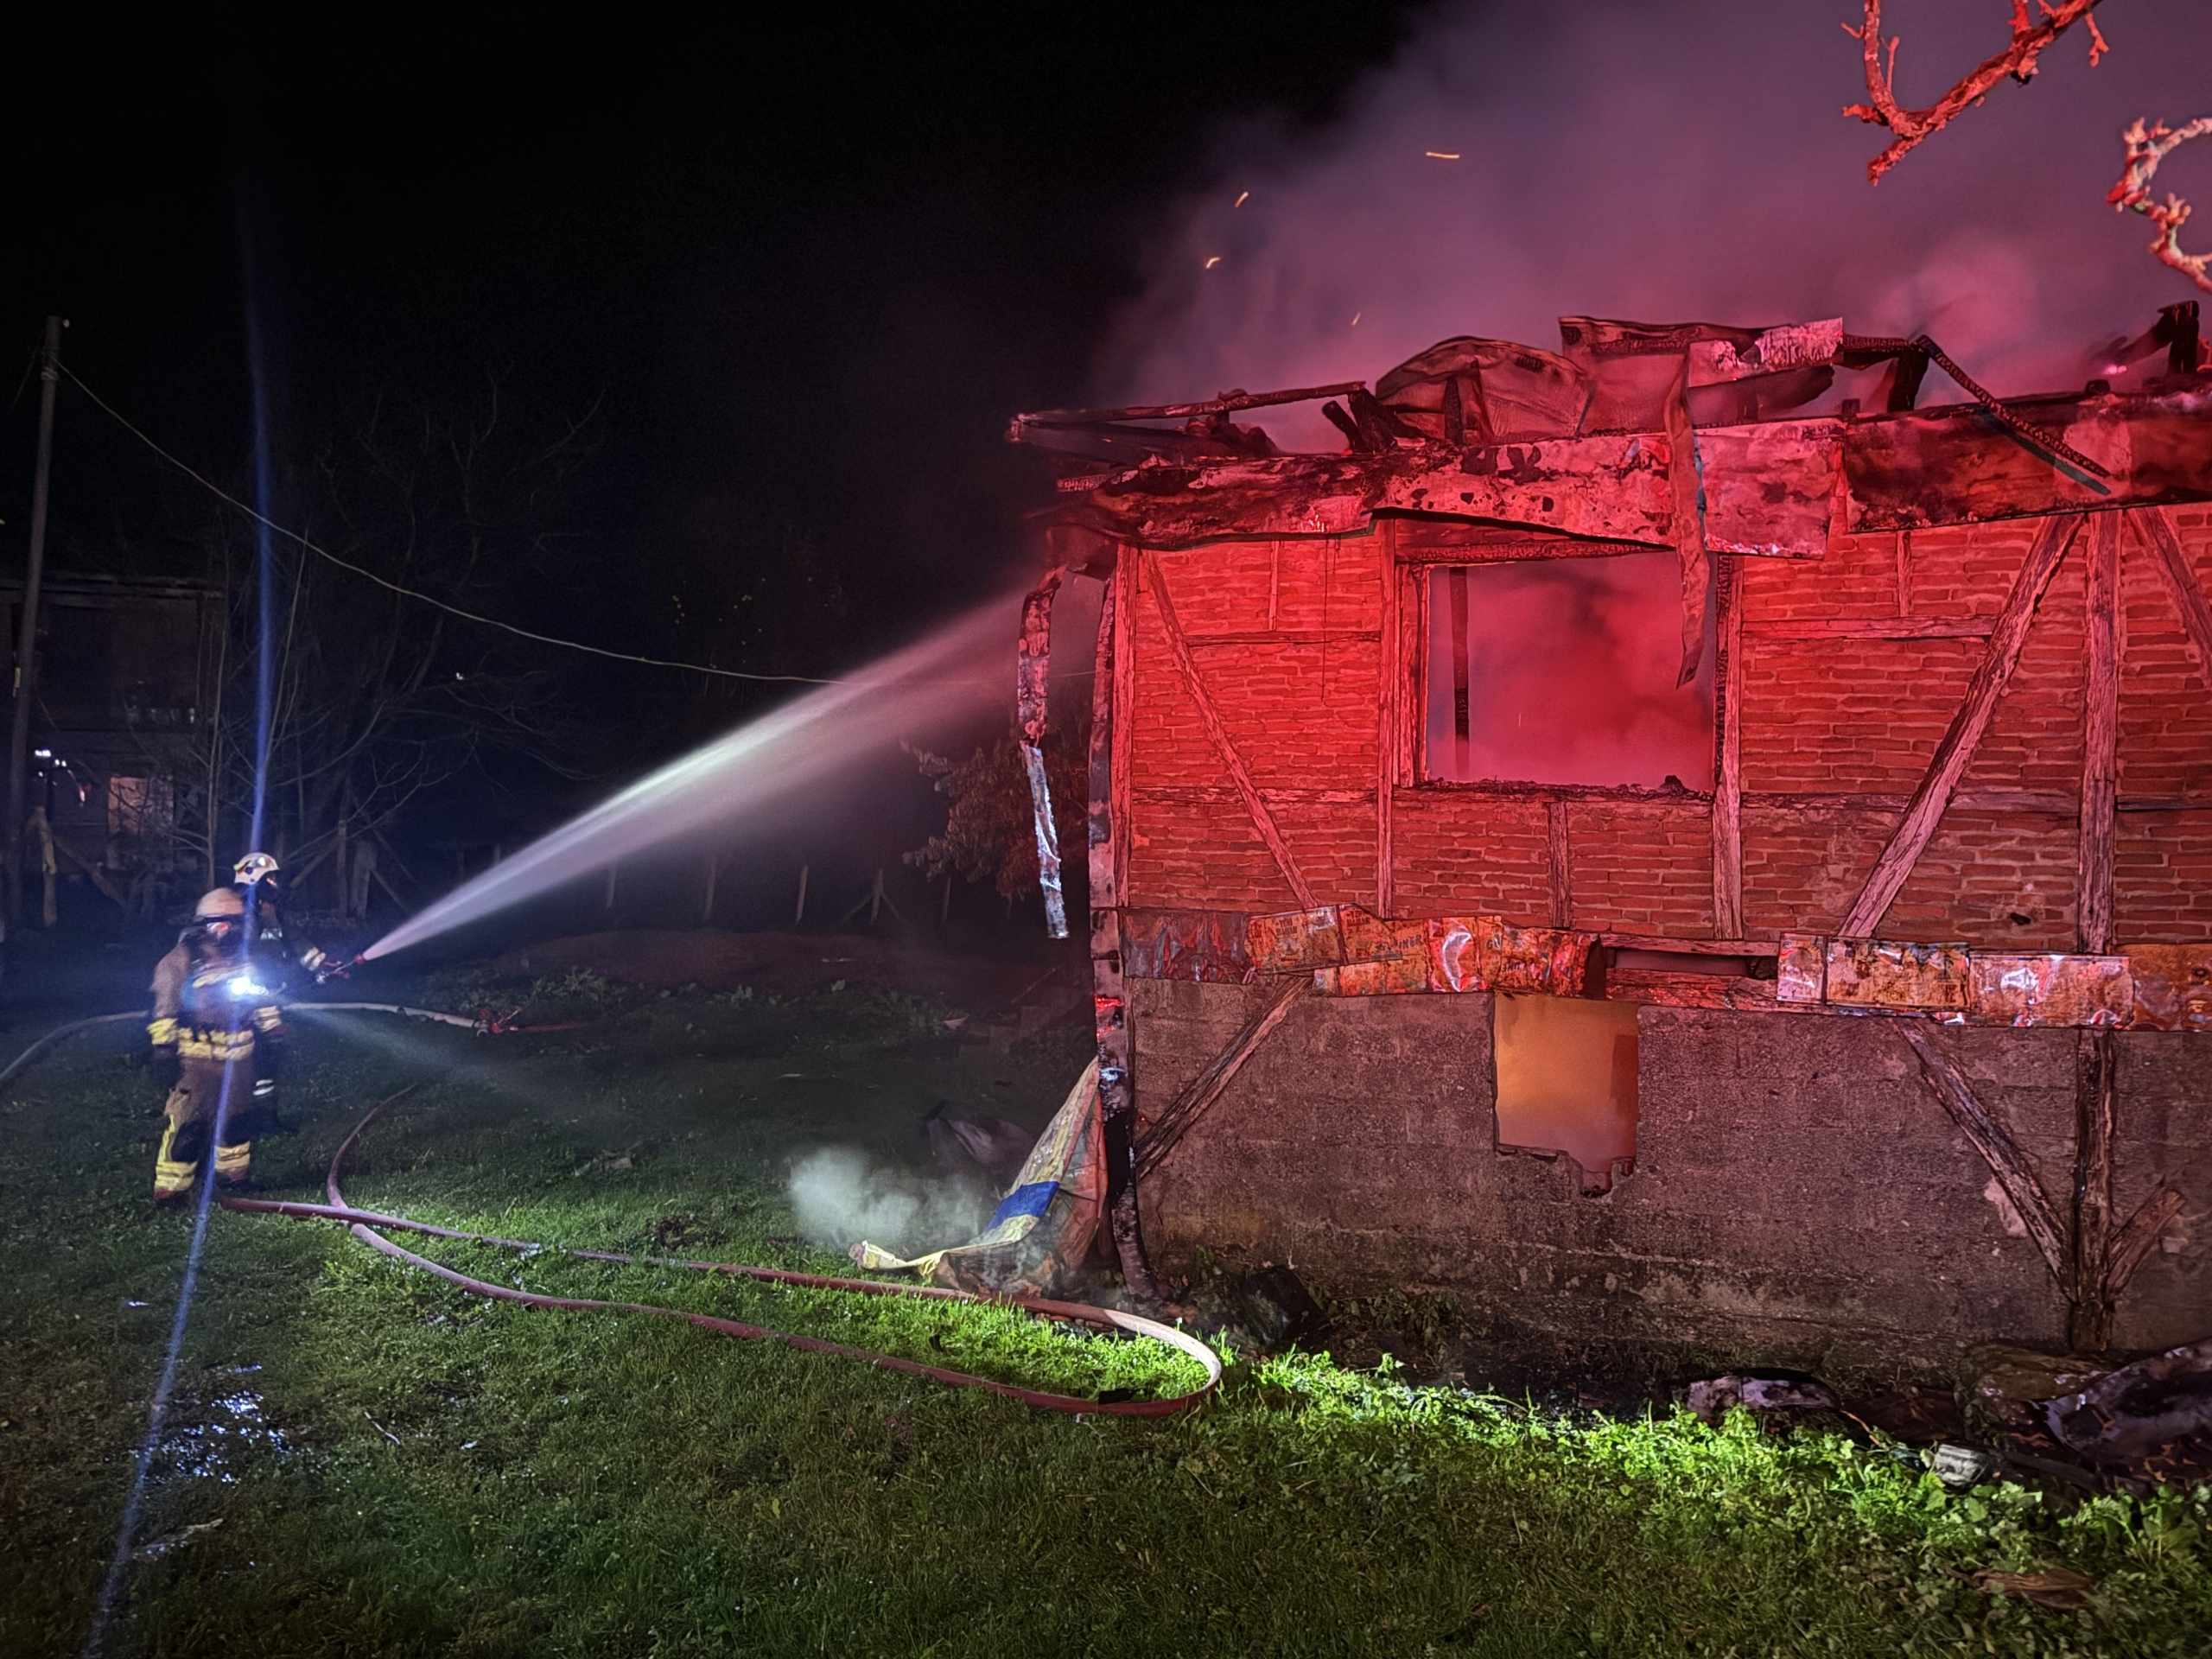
x=233 y=1166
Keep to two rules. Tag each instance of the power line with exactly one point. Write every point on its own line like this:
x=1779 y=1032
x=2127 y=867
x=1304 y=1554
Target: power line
x=222 y=494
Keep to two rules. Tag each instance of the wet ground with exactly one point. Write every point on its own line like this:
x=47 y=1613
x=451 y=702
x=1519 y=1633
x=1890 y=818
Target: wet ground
x=358 y=1459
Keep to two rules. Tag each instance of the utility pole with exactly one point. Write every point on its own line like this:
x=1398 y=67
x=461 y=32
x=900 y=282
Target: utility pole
x=19 y=739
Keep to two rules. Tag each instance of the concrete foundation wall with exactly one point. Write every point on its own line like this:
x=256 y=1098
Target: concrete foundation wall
x=1799 y=1199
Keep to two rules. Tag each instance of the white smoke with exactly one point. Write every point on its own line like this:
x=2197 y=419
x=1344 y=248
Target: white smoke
x=841 y=1196
x=1666 y=161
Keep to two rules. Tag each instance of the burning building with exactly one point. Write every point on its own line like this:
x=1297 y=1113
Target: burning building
x=1706 y=883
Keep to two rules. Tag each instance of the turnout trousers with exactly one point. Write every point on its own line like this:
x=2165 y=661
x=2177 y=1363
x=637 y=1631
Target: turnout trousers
x=192 y=1109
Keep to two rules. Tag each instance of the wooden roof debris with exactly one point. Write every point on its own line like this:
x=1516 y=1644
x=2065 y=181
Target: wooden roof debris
x=1584 y=443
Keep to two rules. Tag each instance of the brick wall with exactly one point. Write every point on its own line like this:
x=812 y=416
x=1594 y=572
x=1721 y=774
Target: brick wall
x=1286 y=635
x=1799 y=1198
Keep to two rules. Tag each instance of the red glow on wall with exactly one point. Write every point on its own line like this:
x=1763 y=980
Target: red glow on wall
x=1562 y=672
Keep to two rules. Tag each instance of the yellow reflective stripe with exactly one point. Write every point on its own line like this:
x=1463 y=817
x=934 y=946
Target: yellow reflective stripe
x=162 y=1032
x=169 y=1175
x=268 y=1018
x=215 y=1045
x=232 y=1160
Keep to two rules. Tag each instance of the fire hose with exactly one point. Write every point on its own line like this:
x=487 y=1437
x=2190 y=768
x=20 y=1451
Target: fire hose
x=364 y=1225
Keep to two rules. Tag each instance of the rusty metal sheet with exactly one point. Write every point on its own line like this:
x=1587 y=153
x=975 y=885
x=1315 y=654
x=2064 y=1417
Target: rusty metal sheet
x=1956 y=465
x=1689 y=990
x=1612 y=488
x=1800 y=968
x=1396 y=976
x=1295 y=941
x=2172 y=987
x=1897 y=974
x=1207 y=945
x=1551 y=960
x=1455 y=952
x=1369 y=937
x=1770 y=488
x=2009 y=988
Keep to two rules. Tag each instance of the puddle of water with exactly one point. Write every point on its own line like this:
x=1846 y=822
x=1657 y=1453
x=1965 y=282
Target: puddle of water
x=232 y=1430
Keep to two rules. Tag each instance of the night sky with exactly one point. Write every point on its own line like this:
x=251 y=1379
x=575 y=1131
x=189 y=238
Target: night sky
x=793 y=270
x=798 y=269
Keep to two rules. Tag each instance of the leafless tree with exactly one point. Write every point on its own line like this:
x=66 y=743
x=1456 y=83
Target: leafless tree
x=2017 y=60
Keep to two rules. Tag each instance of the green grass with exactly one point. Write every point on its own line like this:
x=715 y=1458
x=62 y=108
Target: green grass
x=422 y=1473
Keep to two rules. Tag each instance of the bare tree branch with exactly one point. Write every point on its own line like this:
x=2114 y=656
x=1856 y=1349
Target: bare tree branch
x=2017 y=61
x=2146 y=149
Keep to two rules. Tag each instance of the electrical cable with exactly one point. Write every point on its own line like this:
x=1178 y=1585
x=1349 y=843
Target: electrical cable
x=324 y=553
x=363 y=1223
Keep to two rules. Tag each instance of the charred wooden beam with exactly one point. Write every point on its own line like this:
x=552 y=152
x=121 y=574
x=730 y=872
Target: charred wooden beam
x=2133 y=1242
x=2099 y=738
x=2005 y=1161
x=1034 y=669
x=1728 y=774
x=1161 y=1136
x=1217 y=732
x=1387 y=713
x=1561 y=864
x=2154 y=528
x=1228 y=402
x=1874 y=627
x=1955 y=752
x=1688 y=524
x=2088 y=1326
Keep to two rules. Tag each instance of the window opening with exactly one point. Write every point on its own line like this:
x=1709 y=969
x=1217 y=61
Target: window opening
x=1566 y=1081
x=1562 y=672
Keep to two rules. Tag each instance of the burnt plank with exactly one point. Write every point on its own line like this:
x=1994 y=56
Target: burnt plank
x=1956 y=465
x=1955 y=752
x=2005 y=1161
x=1217 y=732
x=2100 y=740
x=1728 y=781
x=2154 y=528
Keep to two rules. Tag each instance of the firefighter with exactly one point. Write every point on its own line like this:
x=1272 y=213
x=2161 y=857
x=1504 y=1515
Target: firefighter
x=257 y=878
x=271 y=952
x=215 y=1027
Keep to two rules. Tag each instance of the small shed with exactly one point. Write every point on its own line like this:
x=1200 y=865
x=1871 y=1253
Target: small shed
x=1708 y=883
x=126 y=675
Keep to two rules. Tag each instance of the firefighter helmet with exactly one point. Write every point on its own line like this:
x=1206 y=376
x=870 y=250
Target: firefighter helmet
x=253 y=867
x=220 y=905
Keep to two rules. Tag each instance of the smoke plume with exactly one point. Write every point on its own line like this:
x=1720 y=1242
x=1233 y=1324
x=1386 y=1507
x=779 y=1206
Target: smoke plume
x=841 y=1196
x=1667 y=161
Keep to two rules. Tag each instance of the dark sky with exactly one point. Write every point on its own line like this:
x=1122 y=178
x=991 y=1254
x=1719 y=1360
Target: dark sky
x=802 y=261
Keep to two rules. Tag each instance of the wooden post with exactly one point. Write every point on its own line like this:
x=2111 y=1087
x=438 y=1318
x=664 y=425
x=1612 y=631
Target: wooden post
x=1106 y=837
x=1389 y=712
x=799 y=914
x=26 y=686
x=1728 y=775
x=1953 y=755
x=2092 y=905
x=611 y=870
x=1562 y=864
x=2089 y=1322
x=875 y=897
x=944 y=910
x=714 y=869
x=48 y=913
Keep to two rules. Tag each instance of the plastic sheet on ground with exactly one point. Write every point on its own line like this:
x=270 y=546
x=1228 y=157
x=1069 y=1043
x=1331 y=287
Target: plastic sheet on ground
x=1043 y=1227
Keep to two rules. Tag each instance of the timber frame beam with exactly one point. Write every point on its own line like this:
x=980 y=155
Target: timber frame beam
x=1956 y=752
x=1217 y=730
